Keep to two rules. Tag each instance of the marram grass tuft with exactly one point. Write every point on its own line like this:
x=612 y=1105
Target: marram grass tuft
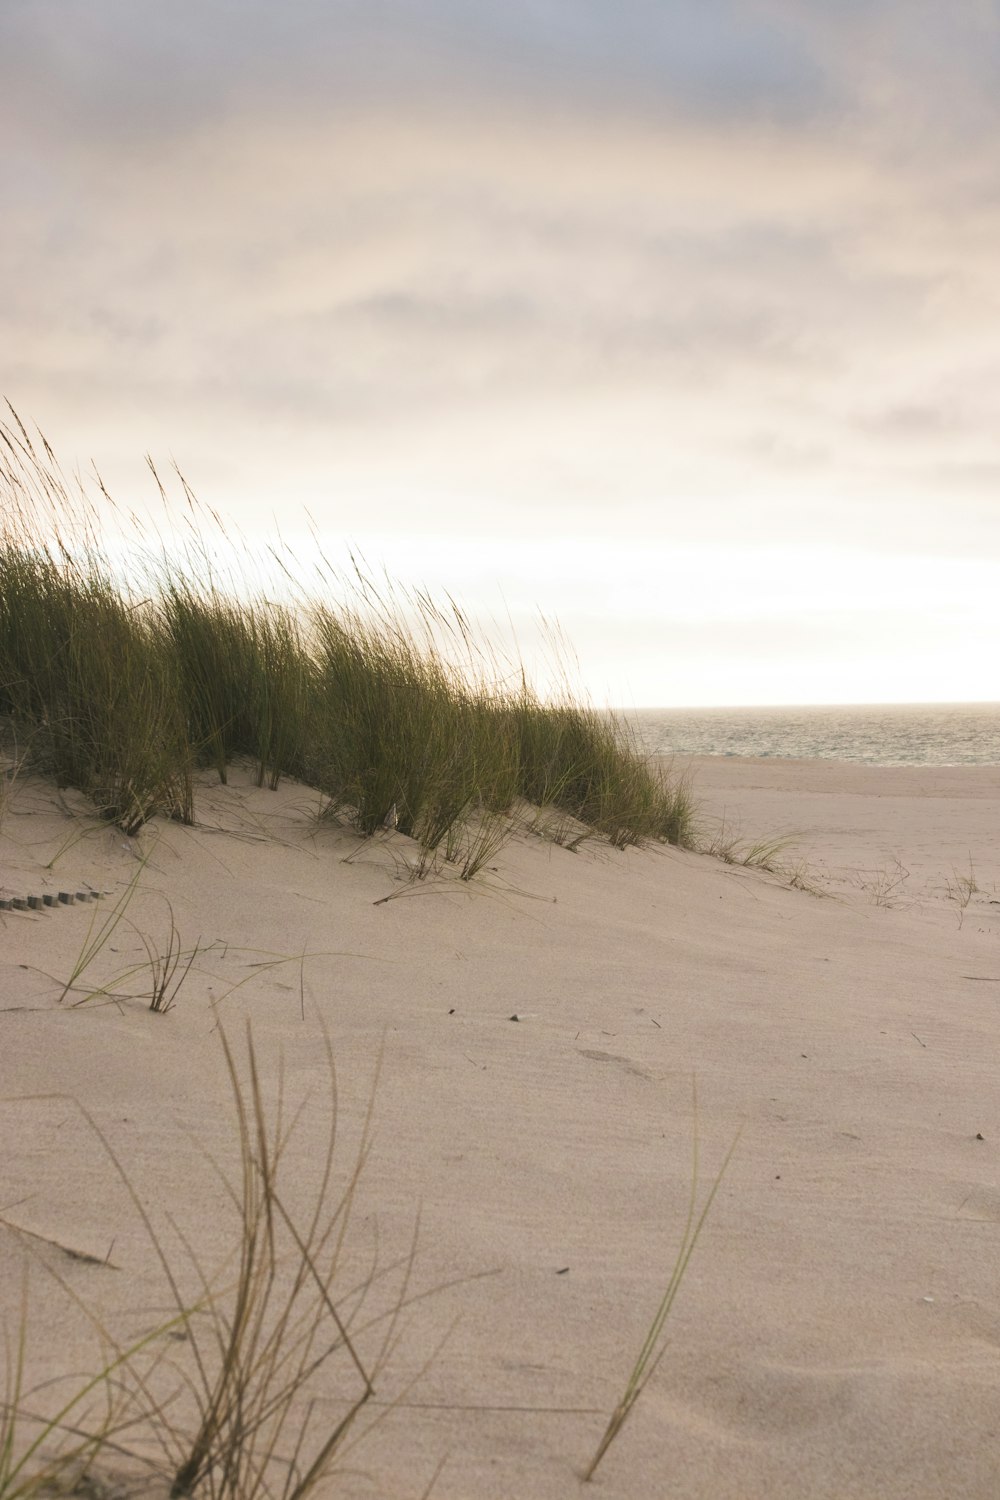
x=123 y=680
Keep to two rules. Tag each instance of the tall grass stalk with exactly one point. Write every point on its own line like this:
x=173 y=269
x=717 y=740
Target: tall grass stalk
x=653 y=1349
x=123 y=681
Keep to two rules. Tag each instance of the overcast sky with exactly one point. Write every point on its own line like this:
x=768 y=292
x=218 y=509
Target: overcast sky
x=678 y=320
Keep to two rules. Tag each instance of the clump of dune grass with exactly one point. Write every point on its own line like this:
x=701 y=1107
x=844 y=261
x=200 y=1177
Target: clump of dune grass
x=125 y=680
x=83 y=670
x=245 y=678
x=728 y=844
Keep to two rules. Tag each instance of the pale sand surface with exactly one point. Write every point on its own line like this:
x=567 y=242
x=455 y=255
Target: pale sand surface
x=838 y=1332
x=906 y=836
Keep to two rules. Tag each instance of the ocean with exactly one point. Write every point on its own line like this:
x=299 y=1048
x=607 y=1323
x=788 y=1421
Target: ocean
x=923 y=734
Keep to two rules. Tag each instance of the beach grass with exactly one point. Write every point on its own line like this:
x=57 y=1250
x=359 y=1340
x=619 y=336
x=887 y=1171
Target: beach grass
x=124 y=678
x=222 y=1398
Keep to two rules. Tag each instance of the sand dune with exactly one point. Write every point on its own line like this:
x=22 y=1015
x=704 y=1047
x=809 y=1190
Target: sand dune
x=838 y=1332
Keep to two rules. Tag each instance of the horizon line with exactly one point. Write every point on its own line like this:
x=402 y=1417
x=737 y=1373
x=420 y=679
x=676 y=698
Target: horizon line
x=864 y=703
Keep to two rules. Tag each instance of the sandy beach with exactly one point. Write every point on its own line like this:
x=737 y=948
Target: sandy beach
x=535 y=1035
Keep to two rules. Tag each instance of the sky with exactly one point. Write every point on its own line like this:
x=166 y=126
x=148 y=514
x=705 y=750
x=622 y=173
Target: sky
x=676 y=322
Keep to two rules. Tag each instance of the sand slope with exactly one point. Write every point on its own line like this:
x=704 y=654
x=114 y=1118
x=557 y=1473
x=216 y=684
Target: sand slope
x=838 y=1333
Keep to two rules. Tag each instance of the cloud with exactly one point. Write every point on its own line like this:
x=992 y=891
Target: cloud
x=677 y=269
x=111 y=63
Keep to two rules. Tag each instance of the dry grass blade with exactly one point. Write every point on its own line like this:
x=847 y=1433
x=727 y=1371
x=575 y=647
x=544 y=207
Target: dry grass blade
x=283 y=1326
x=165 y=970
x=885 y=885
x=61 y=1447
x=100 y=932
x=652 y=1350
x=169 y=968
x=254 y=1354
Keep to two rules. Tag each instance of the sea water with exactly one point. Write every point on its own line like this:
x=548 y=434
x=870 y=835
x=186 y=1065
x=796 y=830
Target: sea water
x=923 y=734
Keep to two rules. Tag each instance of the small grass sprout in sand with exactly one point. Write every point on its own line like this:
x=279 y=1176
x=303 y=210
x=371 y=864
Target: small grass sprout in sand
x=728 y=844
x=101 y=929
x=653 y=1348
x=164 y=968
x=962 y=886
x=885 y=885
